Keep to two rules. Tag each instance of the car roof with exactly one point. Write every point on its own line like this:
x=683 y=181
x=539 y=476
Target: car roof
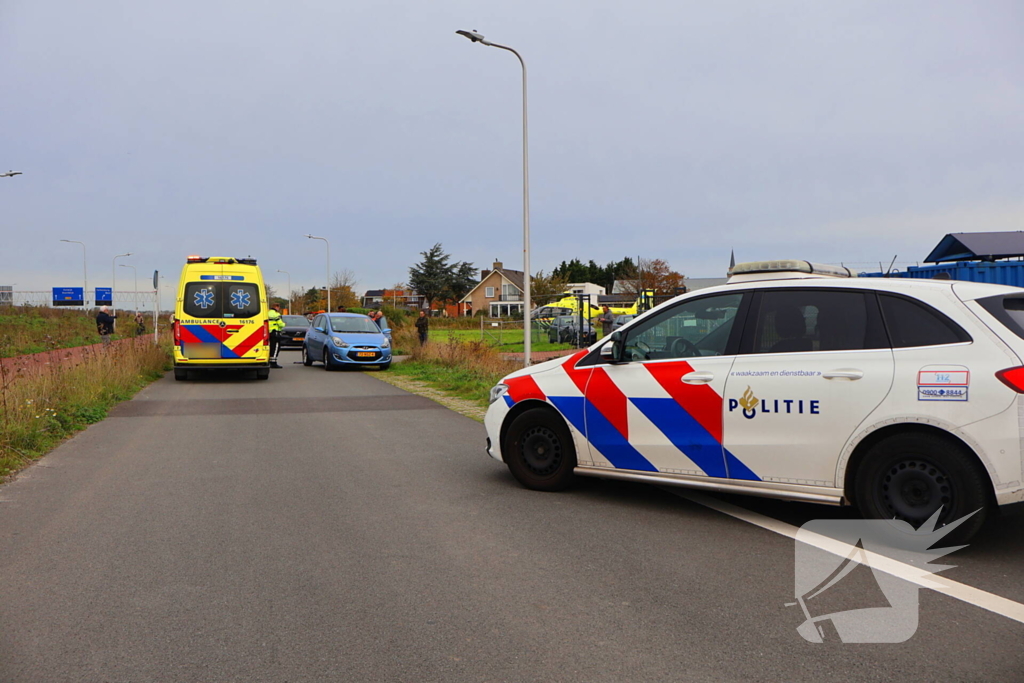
x=347 y=315
x=965 y=290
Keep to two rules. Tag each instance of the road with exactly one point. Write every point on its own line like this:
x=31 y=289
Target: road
x=330 y=527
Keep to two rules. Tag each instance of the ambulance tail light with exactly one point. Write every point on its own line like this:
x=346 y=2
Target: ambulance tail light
x=1013 y=378
x=266 y=333
x=177 y=333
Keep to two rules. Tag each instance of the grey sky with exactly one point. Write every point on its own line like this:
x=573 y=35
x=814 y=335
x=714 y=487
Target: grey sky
x=833 y=131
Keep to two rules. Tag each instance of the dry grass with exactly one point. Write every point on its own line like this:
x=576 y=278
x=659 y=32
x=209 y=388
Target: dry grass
x=39 y=409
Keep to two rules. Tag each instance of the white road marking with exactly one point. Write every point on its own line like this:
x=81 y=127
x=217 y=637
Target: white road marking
x=954 y=589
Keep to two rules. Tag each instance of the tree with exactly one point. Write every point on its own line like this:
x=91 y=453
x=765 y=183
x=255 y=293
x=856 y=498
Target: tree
x=343 y=284
x=435 y=279
x=544 y=289
x=653 y=274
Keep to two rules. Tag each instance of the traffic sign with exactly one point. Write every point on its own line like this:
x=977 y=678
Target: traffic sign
x=68 y=296
x=104 y=296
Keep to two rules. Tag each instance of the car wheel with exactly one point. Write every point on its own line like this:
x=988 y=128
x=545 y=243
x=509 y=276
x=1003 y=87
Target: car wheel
x=327 y=361
x=306 y=360
x=539 y=451
x=911 y=476
x=263 y=373
x=180 y=375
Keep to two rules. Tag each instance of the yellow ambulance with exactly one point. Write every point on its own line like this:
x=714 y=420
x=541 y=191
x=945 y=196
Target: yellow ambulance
x=220 y=319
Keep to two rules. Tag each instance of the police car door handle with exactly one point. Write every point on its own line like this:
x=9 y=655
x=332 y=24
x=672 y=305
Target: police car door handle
x=698 y=377
x=843 y=374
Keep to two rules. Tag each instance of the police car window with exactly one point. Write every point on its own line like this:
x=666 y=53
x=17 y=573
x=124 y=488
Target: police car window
x=692 y=329
x=808 y=320
x=240 y=300
x=202 y=299
x=911 y=323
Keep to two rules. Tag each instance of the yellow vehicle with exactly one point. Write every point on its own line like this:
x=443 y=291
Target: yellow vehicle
x=220 y=319
x=572 y=302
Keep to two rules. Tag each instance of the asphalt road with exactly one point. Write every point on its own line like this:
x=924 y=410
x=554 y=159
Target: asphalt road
x=329 y=527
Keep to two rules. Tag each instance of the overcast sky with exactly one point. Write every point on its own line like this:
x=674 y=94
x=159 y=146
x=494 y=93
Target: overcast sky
x=831 y=131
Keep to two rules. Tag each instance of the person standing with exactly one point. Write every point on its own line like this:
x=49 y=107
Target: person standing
x=140 y=324
x=607 y=320
x=105 y=324
x=422 y=327
x=276 y=324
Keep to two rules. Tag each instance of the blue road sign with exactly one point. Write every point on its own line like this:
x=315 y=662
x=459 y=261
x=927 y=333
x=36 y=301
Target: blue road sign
x=68 y=296
x=104 y=296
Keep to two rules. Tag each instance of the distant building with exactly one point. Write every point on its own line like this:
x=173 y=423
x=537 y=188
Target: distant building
x=695 y=283
x=499 y=292
x=585 y=288
x=398 y=298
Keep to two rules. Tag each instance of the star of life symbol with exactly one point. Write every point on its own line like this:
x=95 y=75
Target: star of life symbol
x=877 y=544
x=204 y=298
x=240 y=299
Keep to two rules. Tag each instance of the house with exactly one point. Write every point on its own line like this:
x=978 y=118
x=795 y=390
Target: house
x=585 y=288
x=499 y=293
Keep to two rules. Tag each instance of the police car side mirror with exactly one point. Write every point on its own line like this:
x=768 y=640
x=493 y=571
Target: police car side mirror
x=612 y=351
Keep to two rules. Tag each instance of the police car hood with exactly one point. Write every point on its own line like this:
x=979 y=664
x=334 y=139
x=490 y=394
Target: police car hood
x=539 y=367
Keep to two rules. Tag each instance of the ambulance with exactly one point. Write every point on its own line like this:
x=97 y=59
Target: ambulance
x=220 y=318
x=798 y=381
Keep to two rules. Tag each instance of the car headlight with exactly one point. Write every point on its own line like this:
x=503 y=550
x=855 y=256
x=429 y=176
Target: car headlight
x=340 y=344
x=497 y=391
x=386 y=344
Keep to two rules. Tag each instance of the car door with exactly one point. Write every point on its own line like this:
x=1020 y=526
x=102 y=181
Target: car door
x=660 y=409
x=315 y=337
x=813 y=364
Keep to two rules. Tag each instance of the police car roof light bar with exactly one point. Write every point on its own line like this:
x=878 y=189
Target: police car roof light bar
x=790 y=266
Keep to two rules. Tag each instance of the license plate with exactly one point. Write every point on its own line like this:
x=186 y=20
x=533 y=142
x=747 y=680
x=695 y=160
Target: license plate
x=296 y=338
x=365 y=354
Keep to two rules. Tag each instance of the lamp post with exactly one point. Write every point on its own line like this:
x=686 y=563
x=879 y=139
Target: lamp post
x=313 y=237
x=478 y=38
x=289 y=289
x=113 y=280
x=135 y=295
x=85 y=276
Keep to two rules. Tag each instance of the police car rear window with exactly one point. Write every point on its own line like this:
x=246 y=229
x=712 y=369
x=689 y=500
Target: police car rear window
x=912 y=323
x=221 y=300
x=1009 y=310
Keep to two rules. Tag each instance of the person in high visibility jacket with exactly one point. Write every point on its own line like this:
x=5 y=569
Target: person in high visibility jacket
x=276 y=324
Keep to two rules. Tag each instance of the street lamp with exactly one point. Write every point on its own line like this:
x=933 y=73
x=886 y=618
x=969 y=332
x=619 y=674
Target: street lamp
x=289 y=289
x=85 y=276
x=135 y=296
x=113 y=280
x=478 y=38
x=313 y=237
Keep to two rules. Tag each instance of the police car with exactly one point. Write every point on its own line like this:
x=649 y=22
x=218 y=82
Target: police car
x=795 y=381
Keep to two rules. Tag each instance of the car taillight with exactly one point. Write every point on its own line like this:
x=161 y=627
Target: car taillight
x=266 y=333
x=177 y=333
x=1013 y=378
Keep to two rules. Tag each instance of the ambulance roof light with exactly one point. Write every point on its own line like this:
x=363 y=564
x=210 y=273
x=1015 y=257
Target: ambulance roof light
x=195 y=259
x=790 y=266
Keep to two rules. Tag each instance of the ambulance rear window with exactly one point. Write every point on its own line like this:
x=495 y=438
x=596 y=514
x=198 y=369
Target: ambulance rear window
x=221 y=299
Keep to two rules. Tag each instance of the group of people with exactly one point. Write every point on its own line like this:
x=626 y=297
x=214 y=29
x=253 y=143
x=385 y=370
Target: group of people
x=105 y=324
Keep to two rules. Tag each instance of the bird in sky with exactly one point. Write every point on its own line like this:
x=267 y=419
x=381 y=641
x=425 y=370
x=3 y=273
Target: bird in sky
x=10 y=174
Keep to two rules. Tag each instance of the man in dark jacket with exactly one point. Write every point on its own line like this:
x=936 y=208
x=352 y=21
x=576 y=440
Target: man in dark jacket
x=422 y=327
x=607 y=320
x=105 y=324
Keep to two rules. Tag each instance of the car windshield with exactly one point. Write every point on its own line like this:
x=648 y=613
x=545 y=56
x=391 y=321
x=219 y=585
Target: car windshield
x=353 y=324
x=295 y=320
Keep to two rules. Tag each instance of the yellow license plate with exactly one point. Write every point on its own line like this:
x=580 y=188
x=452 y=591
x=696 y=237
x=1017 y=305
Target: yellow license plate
x=365 y=354
x=296 y=338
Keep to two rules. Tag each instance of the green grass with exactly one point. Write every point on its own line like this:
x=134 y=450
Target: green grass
x=508 y=341
x=32 y=329
x=468 y=382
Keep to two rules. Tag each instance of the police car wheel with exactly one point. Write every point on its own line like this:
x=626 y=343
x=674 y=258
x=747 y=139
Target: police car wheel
x=306 y=360
x=539 y=451
x=910 y=476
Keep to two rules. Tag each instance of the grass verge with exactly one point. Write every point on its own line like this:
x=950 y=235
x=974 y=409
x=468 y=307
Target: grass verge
x=40 y=410
x=463 y=370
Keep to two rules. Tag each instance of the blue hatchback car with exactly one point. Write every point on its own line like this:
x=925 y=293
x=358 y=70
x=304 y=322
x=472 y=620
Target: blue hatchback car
x=337 y=339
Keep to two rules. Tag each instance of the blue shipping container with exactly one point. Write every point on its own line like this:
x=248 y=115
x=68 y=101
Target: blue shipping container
x=994 y=272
